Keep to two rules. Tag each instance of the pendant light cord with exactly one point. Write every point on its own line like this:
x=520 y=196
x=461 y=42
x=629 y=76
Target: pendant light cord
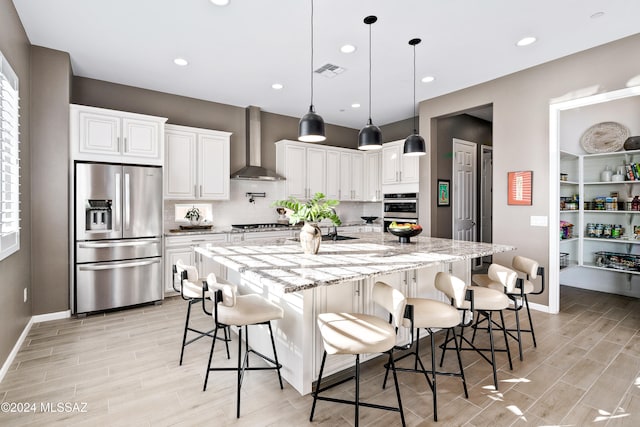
x=311 y=106
x=415 y=131
x=370 y=122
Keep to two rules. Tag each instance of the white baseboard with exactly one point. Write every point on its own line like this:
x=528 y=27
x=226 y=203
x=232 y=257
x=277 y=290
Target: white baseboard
x=16 y=348
x=51 y=316
x=34 y=319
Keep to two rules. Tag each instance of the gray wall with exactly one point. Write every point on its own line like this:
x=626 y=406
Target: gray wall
x=50 y=95
x=15 y=272
x=398 y=130
x=464 y=127
x=521 y=133
x=185 y=111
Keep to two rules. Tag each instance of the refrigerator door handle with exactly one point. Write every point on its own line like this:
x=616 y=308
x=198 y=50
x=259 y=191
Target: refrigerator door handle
x=111 y=266
x=98 y=245
x=127 y=201
x=117 y=208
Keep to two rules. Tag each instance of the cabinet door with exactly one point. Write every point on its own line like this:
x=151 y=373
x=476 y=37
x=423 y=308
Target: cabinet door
x=141 y=138
x=180 y=165
x=409 y=169
x=295 y=173
x=316 y=171
x=357 y=172
x=213 y=167
x=333 y=175
x=390 y=161
x=99 y=134
x=372 y=186
x=172 y=256
x=346 y=191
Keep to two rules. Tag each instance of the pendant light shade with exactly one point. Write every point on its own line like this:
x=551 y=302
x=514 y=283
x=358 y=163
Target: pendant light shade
x=370 y=136
x=311 y=126
x=414 y=145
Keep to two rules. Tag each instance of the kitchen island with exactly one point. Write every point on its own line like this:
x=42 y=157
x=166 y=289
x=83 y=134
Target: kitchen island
x=339 y=278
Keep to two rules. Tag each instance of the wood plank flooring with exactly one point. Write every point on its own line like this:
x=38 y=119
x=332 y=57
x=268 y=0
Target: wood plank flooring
x=121 y=369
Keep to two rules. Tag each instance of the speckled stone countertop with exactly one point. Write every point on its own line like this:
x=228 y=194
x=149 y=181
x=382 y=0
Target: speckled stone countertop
x=228 y=229
x=282 y=263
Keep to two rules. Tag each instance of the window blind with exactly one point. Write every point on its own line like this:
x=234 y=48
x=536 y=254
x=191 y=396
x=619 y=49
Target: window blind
x=9 y=161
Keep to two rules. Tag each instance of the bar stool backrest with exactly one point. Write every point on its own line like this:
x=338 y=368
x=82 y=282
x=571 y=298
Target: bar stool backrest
x=526 y=265
x=453 y=287
x=391 y=300
x=504 y=275
x=229 y=291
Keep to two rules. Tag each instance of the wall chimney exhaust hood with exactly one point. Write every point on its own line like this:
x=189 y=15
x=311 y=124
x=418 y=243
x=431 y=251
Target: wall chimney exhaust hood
x=253 y=171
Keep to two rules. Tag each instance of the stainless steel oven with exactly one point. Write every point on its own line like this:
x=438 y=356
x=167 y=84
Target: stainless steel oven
x=400 y=207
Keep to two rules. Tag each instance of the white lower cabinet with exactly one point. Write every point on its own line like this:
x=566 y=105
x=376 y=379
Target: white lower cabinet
x=181 y=248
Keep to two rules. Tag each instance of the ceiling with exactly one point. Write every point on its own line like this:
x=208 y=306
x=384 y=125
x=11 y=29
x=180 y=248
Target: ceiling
x=238 y=51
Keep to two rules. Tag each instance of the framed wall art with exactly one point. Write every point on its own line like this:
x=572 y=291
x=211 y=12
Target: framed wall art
x=520 y=188
x=443 y=192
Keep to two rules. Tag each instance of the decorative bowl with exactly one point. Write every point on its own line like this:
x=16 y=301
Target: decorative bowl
x=369 y=219
x=405 y=233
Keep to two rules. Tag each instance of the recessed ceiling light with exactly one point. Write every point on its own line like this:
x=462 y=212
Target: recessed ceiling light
x=220 y=2
x=526 y=41
x=348 y=48
x=428 y=79
x=597 y=15
x=277 y=86
x=181 y=62
x=356 y=105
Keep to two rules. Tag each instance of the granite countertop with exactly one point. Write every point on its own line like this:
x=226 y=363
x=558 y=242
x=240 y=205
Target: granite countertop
x=228 y=229
x=282 y=263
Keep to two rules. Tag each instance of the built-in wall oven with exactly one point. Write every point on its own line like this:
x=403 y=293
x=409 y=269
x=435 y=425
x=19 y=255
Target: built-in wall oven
x=400 y=207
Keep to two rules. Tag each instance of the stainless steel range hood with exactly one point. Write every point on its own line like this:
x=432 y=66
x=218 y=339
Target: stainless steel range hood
x=253 y=170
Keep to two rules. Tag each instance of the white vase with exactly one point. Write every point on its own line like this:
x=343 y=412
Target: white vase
x=310 y=238
x=194 y=221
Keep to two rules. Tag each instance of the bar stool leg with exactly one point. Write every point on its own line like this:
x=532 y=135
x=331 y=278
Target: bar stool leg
x=433 y=376
x=506 y=342
x=518 y=328
x=357 y=405
x=464 y=381
x=533 y=334
x=315 y=393
x=186 y=329
x=275 y=354
x=240 y=372
x=213 y=345
x=395 y=380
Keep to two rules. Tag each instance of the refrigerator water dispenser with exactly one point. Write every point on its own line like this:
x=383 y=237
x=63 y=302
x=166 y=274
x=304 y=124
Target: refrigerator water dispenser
x=98 y=215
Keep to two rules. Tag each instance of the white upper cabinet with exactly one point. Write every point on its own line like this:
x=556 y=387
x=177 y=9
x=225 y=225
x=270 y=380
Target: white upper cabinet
x=114 y=136
x=333 y=175
x=397 y=168
x=371 y=177
x=197 y=165
x=351 y=175
x=304 y=166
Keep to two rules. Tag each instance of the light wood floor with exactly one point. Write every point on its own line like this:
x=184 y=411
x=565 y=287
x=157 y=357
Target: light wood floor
x=124 y=366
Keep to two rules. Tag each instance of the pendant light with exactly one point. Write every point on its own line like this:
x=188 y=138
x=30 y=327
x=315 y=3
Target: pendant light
x=370 y=136
x=311 y=126
x=414 y=144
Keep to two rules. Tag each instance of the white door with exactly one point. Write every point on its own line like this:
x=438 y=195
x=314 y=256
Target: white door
x=346 y=192
x=141 y=138
x=464 y=190
x=295 y=163
x=486 y=196
x=99 y=133
x=390 y=162
x=357 y=171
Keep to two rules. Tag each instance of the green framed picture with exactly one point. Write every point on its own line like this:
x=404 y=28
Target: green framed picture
x=444 y=192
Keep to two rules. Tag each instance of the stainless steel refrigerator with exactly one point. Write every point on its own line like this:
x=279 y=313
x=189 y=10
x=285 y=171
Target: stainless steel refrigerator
x=118 y=236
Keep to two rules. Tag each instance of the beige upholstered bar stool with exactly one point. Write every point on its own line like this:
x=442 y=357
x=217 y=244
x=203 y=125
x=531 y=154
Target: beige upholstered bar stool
x=485 y=302
x=231 y=309
x=191 y=291
x=356 y=334
x=531 y=270
x=431 y=315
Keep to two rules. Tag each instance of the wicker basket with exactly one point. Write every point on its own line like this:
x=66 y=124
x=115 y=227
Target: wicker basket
x=564 y=259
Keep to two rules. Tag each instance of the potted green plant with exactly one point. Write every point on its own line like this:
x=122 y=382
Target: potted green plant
x=310 y=212
x=193 y=215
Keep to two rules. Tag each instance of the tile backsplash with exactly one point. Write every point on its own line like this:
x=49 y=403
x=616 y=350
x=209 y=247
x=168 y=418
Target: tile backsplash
x=238 y=210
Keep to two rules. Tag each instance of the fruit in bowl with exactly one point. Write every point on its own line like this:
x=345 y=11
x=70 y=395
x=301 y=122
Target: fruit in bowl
x=404 y=230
